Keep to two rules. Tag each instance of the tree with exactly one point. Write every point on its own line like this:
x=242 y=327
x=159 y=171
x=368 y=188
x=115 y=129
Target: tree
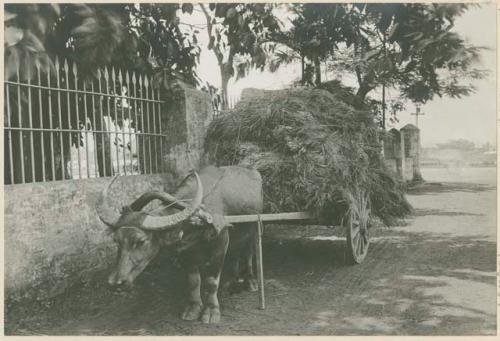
x=316 y=31
x=410 y=47
x=143 y=38
x=237 y=33
x=38 y=32
x=160 y=46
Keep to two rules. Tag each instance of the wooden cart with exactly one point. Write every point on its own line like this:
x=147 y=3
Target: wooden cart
x=356 y=224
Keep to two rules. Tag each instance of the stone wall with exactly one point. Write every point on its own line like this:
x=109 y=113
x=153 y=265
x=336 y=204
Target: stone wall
x=53 y=237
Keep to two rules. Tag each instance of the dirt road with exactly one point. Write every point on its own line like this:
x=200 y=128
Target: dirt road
x=433 y=276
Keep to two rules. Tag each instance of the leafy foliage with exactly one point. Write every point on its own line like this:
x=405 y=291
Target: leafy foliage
x=144 y=38
x=26 y=30
x=238 y=33
x=316 y=31
x=411 y=47
x=408 y=46
x=162 y=48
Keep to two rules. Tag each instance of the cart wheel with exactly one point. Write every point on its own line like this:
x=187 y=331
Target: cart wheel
x=358 y=238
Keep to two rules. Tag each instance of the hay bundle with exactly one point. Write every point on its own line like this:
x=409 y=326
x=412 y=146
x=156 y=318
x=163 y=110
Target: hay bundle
x=314 y=151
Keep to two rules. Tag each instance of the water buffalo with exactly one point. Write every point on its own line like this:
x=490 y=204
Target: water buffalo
x=192 y=221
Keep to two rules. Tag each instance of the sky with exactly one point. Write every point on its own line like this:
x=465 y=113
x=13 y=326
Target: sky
x=472 y=118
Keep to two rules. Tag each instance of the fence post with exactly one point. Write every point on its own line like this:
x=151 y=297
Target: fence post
x=129 y=107
x=137 y=136
x=75 y=82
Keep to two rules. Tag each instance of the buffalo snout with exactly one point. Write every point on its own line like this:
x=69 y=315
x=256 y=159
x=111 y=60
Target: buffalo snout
x=117 y=284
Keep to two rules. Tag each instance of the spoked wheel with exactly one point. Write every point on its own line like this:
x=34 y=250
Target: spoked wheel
x=358 y=220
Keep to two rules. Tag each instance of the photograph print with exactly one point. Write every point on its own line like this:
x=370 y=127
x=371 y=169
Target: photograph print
x=250 y=168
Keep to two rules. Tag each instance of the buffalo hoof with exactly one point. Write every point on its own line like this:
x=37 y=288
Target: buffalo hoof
x=211 y=315
x=192 y=312
x=252 y=284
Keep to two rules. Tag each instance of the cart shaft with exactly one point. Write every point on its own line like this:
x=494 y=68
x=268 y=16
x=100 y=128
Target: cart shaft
x=271 y=217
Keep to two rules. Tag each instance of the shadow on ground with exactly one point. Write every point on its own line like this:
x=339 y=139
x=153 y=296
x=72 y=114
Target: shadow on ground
x=444 y=187
x=410 y=284
x=436 y=212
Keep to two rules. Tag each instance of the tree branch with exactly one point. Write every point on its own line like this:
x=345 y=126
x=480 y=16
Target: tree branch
x=358 y=75
x=218 y=54
x=356 y=67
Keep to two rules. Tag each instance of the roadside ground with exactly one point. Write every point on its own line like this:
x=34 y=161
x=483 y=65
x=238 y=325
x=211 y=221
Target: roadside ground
x=436 y=275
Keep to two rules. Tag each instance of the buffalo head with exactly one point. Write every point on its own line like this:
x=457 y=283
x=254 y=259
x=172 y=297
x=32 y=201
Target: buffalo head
x=139 y=234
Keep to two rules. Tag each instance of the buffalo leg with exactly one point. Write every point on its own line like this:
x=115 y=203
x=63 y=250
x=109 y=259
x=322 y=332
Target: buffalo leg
x=211 y=313
x=250 y=280
x=193 y=309
x=231 y=275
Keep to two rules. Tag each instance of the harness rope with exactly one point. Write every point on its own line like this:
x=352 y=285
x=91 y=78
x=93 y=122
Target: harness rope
x=161 y=207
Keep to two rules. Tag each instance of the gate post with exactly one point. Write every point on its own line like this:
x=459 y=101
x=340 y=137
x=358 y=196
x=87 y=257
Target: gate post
x=185 y=119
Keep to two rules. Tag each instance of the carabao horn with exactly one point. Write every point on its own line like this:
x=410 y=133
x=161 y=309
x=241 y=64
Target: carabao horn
x=108 y=214
x=164 y=222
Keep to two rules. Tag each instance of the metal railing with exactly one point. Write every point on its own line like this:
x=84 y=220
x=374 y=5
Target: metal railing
x=58 y=126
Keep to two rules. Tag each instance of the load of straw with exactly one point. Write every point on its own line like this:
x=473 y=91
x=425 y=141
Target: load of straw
x=315 y=153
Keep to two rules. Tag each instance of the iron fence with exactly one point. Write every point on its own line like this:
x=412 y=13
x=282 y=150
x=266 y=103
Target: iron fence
x=58 y=126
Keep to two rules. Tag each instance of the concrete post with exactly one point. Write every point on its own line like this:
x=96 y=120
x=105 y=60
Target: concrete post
x=417 y=176
x=412 y=134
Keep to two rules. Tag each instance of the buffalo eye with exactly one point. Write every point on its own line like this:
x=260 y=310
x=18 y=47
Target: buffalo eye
x=139 y=242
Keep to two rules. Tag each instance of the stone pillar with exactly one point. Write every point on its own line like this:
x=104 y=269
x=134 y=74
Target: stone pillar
x=402 y=153
x=392 y=148
x=412 y=151
x=185 y=119
x=417 y=175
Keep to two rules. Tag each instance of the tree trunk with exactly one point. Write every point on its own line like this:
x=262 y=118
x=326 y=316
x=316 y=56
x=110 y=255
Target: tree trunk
x=308 y=74
x=383 y=106
x=363 y=91
x=303 y=79
x=225 y=68
x=225 y=102
x=225 y=77
x=317 y=70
